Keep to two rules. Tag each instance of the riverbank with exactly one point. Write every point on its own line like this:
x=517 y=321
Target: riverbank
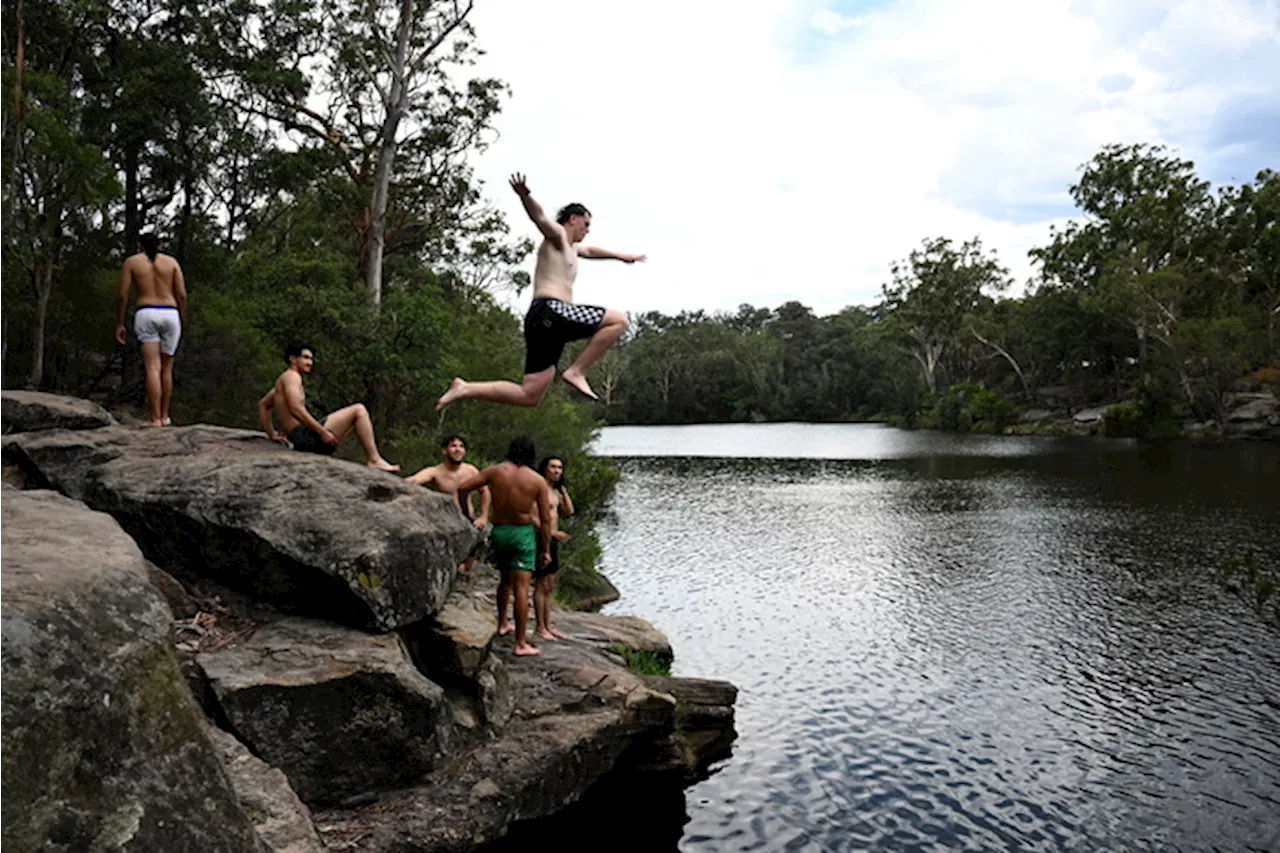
x=284 y=638
x=1249 y=415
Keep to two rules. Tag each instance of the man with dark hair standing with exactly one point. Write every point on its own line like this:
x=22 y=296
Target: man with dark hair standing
x=544 y=577
x=161 y=300
x=446 y=477
x=553 y=320
x=301 y=430
x=522 y=527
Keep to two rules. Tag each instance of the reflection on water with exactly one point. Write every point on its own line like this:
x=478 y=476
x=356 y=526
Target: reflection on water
x=965 y=642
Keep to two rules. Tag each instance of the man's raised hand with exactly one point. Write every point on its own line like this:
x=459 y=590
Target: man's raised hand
x=631 y=259
x=518 y=184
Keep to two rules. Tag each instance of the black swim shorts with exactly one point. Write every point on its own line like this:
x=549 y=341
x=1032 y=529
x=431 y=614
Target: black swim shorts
x=552 y=567
x=550 y=324
x=302 y=438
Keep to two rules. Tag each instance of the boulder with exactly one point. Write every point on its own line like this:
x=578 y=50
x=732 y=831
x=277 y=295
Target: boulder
x=1086 y=417
x=312 y=535
x=1251 y=407
x=453 y=649
x=104 y=748
x=704 y=731
x=340 y=711
x=282 y=821
x=577 y=712
x=29 y=411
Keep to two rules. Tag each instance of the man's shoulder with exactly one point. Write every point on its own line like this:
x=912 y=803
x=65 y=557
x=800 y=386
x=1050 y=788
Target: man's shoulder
x=466 y=469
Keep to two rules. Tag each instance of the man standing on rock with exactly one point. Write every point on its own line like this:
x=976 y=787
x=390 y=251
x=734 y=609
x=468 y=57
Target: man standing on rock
x=522 y=530
x=553 y=320
x=544 y=577
x=161 y=307
x=446 y=477
x=301 y=430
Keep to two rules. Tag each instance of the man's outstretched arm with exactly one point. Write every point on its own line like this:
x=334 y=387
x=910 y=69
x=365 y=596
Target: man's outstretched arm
x=549 y=229
x=595 y=253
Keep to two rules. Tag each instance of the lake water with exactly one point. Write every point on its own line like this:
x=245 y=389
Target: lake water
x=961 y=642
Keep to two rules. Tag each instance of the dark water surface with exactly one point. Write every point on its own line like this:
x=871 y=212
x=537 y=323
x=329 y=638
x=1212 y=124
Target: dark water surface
x=961 y=642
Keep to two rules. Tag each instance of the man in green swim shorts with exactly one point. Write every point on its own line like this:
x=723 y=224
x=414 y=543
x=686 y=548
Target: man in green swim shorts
x=520 y=510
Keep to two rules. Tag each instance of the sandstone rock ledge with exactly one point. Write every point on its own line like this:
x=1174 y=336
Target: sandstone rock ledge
x=361 y=698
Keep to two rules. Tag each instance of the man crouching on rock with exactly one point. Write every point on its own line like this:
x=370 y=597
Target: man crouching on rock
x=301 y=430
x=521 y=539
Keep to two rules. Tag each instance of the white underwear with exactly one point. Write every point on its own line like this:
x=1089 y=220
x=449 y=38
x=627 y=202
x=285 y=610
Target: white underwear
x=158 y=324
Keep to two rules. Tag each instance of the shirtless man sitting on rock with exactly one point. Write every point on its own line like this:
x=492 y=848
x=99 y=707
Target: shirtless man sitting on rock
x=522 y=530
x=302 y=431
x=553 y=320
x=446 y=477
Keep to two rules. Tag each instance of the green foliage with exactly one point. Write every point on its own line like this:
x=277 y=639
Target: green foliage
x=641 y=662
x=1148 y=418
x=967 y=407
x=1126 y=420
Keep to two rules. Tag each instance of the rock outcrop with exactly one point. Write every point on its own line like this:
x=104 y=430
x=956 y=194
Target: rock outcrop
x=316 y=610
x=341 y=712
x=280 y=818
x=104 y=748
x=316 y=536
x=30 y=411
x=577 y=712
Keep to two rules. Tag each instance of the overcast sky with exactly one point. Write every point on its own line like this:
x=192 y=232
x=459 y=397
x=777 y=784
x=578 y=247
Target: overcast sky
x=766 y=151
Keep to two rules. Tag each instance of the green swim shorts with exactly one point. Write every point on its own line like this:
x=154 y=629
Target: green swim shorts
x=514 y=547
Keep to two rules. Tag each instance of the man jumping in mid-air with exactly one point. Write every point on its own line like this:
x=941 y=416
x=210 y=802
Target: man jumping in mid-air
x=553 y=320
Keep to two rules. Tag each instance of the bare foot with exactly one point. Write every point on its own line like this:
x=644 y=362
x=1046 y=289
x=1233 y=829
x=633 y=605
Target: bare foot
x=526 y=649
x=456 y=389
x=546 y=634
x=152 y=424
x=464 y=569
x=557 y=634
x=577 y=380
x=505 y=628
x=383 y=465
x=166 y=422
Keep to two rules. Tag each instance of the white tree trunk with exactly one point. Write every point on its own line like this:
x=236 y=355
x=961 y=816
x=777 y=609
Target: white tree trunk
x=396 y=97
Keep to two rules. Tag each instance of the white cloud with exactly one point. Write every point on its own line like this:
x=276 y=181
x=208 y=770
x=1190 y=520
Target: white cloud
x=833 y=22
x=793 y=151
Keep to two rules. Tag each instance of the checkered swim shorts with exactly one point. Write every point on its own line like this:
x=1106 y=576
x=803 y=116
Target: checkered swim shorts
x=550 y=324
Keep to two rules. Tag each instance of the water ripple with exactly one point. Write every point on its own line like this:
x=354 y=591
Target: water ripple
x=1019 y=652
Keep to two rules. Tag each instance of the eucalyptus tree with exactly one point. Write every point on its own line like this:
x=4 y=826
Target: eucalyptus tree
x=378 y=85
x=931 y=293
x=1143 y=244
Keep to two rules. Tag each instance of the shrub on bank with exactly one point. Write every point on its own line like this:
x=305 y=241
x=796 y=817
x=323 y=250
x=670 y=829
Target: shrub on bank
x=967 y=407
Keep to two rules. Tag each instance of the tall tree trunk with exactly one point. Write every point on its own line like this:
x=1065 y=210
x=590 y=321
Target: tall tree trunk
x=1026 y=389
x=131 y=224
x=375 y=239
x=42 y=284
x=4 y=352
x=188 y=182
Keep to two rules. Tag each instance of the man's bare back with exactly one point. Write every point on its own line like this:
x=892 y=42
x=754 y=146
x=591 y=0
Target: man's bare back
x=519 y=494
x=155 y=282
